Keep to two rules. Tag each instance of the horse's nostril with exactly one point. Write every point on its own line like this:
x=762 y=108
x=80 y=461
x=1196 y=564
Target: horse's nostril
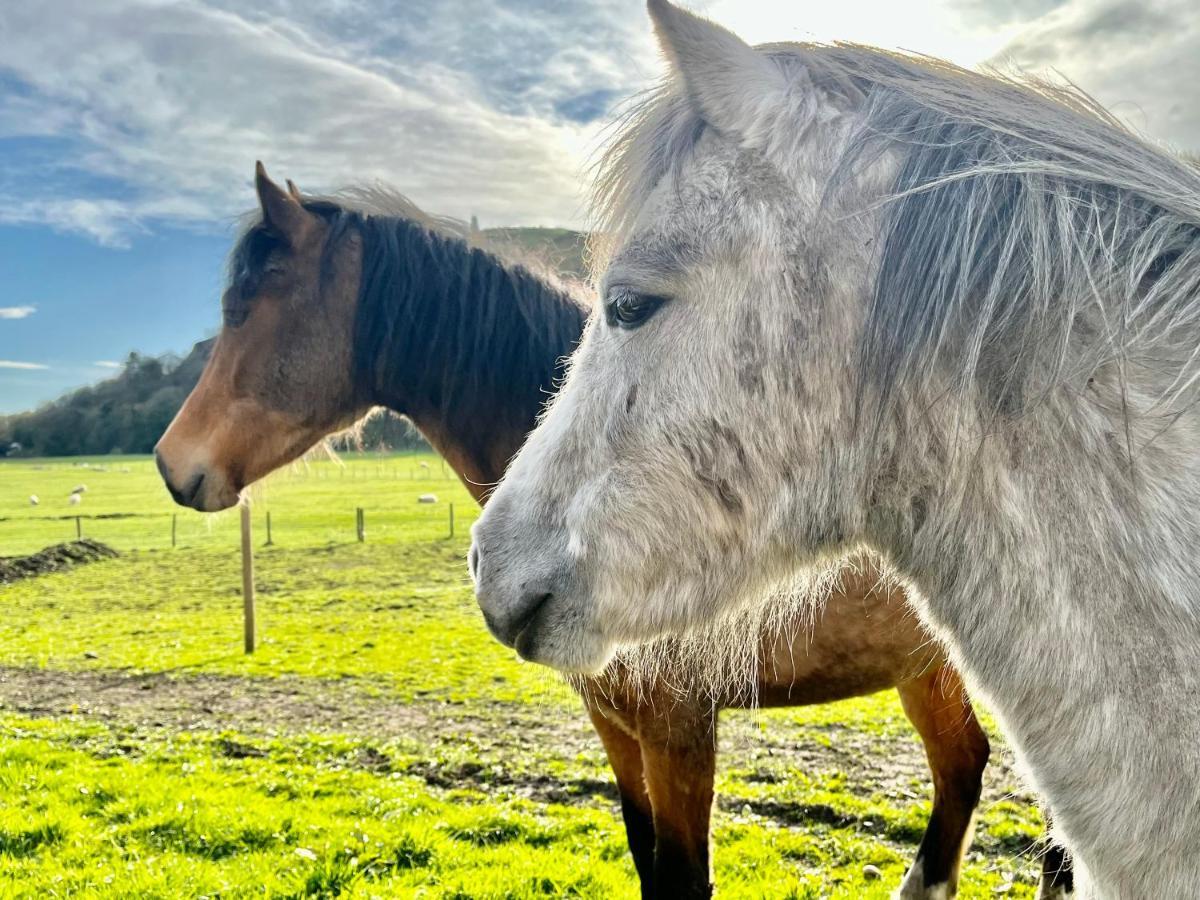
x=192 y=489
x=530 y=605
x=513 y=626
x=524 y=633
x=186 y=495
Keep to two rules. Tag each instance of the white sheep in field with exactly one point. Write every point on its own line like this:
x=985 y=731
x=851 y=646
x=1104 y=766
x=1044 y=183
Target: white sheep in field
x=33 y=500
x=75 y=499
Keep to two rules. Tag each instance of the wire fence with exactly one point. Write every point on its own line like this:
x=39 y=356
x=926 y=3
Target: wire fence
x=158 y=531
x=407 y=498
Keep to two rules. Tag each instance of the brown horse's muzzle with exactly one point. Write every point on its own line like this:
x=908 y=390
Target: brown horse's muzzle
x=190 y=469
x=196 y=489
x=217 y=445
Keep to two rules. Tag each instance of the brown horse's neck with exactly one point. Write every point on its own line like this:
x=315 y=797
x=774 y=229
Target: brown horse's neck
x=467 y=347
x=478 y=467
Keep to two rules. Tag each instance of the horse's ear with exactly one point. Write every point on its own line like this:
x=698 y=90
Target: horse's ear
x=294 y=191
x=734 y=87
x=281 y=211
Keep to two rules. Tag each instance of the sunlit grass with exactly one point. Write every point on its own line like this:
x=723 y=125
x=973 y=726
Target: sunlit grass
x=457 y=808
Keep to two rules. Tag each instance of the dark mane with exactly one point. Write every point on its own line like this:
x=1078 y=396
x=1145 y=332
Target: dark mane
x=441 y=324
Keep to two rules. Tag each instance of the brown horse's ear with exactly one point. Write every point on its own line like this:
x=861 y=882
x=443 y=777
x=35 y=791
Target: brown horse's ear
x=294 y=191
x=281 y=211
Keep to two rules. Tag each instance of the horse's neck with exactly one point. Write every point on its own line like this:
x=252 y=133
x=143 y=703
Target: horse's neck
x=1059 y=496
x=479 y=464
x=497 y=339
x=1072 y=601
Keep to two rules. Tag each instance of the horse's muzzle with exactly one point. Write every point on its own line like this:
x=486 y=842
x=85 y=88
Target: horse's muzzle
x=197 y=487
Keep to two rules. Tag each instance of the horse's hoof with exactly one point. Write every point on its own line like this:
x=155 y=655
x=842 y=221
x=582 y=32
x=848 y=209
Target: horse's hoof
x=914 y=888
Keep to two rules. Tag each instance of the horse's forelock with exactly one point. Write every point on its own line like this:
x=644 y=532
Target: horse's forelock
x=651 y=139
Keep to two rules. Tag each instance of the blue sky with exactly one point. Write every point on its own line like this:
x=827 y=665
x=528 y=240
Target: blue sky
x=129 y=128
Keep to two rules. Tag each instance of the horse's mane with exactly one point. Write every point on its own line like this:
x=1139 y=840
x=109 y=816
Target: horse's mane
x=441 y=318
x=1028 y=236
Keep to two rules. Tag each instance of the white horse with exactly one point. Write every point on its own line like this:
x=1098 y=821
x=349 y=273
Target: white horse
x=862 y=300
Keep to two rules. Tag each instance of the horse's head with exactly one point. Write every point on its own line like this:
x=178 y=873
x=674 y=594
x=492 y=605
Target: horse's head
x=280 y=377
x=710 y=400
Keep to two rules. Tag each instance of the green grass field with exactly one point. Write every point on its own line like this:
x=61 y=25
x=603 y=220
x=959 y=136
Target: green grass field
x=378 y=743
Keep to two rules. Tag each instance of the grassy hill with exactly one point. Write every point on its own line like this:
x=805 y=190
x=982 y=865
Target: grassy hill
x=561 y=249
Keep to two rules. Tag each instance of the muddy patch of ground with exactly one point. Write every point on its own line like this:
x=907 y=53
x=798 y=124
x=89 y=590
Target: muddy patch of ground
x=53 y=559
x=254 y=706
x=893 y=766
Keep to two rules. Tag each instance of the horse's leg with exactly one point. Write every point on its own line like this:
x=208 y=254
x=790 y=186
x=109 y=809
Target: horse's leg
x=1058 y=878
x=679 y=753
x=625 y=756
x=957 y=750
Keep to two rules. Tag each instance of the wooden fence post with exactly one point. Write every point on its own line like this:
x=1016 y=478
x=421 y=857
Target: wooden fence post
x=451 y=520
x=78 y=528
x=268 y=528
x=247 y=581
x=360 y=524
x=173 y=523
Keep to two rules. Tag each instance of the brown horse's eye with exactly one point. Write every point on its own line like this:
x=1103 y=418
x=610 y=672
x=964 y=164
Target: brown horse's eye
x=234 y=307
x=628 y=309
x=233 y=316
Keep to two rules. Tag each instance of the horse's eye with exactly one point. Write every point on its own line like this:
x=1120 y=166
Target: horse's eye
x=235 y=307
x=235 y=316
x=626 y=309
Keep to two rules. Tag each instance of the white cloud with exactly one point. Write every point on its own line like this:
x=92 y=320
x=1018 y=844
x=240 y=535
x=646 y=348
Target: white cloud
x=933 y=27
x=107 y=364
x=24 y=366
x=17 y=312
x=170 y=104
x=109 y=223
x=1142 y=60
x=469 y=106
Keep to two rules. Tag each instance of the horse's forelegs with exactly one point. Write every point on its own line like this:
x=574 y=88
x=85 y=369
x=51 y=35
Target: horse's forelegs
x=680 y=760
x=957 y=750
x=625 y=756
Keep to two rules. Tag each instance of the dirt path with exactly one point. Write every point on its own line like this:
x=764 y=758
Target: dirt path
x=254 y=706
x=270 y=707
x=280 y=706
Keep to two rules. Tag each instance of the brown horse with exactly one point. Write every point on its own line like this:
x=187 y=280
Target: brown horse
x=332 y=310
